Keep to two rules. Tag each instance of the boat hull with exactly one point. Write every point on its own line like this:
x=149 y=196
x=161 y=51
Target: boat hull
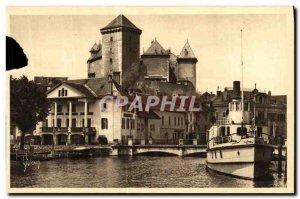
x=250 y=170
x=244 y=161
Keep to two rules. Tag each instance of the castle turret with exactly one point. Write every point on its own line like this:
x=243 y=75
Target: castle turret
x=95 y=60
x=187 y=64
x=120 y=47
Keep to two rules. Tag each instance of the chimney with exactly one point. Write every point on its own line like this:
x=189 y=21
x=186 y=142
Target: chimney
x=236 y=90
x=116 y=77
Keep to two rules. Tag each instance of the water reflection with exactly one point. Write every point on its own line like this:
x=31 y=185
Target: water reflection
x=137 y=171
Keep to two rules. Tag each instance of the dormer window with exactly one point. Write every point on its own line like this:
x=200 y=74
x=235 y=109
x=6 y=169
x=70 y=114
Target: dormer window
x=62 y=92
x=260 y=99
x=186 y=52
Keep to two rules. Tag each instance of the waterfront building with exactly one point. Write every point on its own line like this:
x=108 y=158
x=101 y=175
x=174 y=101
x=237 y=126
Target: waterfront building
x=270 y=110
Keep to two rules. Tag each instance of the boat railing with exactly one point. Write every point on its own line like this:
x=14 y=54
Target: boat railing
x=237 y=137
x=223 y=121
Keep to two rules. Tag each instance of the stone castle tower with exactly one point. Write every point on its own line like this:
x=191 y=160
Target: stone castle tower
x=156 y=62
x=120 y=49
x=187 y=64
x=119 y=55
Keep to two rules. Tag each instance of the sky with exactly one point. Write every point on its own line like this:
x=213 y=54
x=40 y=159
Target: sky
x=58 y=45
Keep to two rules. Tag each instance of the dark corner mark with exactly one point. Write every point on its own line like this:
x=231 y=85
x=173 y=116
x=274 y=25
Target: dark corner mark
x=15 y=57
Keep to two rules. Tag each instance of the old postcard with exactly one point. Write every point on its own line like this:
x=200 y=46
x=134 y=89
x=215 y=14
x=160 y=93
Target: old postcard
x=150 y=100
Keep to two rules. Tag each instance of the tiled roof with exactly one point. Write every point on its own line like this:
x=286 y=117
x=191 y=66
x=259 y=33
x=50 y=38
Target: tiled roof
x=156 y=49
x=187 y=52
x=120 y=21
x=95 y=87
x=81 y=88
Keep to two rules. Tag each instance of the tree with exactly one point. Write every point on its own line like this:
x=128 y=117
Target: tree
x=28 y=105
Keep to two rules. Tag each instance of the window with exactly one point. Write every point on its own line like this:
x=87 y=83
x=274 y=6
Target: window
x=246 y=106
x=217 y=115
x=127 y=123
x=104 y=107
x=110 y=60
x=169 y=120
x=142 y=127
x=66 y=92
x=59 y=108
x=259 y=131
x=237 y=106
x=138 y=127
x=111 y=50
x=222 y=131
x=162 y=120
x=131 y=123
x=241 y=132
x=224 y=114
x=104 y=123
x=89 y=122
x=58 y=122
x=178 y=121
x=152 y=127
x=59 y=93
x=111 y=39
x=91 y=75
x=181 y=121
x=67 y=122
x=228 y=130
x=62 y=92
x=123 y=123
x=82 y=123
x=175 y=121
x=74 y=122
x=73 y=108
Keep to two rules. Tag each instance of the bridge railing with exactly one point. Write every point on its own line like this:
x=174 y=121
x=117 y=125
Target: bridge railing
x=164 y=142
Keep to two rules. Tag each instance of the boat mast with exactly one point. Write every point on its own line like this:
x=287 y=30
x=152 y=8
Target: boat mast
x=242 y=67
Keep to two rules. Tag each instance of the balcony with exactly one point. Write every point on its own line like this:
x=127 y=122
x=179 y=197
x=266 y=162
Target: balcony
x=76 y=129
x=47 y=129
x=65 y=129
x=57 y=129
x=62 y=129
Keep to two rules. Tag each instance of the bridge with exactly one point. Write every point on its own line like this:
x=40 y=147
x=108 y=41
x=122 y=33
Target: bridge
x=181 y=148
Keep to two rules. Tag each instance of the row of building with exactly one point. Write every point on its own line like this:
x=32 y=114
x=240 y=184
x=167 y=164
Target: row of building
x=116 y=68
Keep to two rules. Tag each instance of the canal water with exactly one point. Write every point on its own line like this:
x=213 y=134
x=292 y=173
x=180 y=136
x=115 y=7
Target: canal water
x=138 y=171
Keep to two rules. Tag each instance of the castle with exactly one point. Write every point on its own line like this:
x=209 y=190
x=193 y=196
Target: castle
x=157 y=70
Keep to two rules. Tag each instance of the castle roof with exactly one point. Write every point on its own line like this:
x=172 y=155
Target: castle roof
x=120 y=21
x=156 y=49
x=96 y=52
x=95 y=48
x=187 y=52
